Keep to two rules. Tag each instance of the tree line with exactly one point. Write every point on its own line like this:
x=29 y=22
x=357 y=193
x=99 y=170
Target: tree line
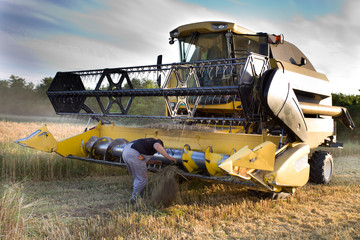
x=22 y=98
x=19 y=97
x=352 y=103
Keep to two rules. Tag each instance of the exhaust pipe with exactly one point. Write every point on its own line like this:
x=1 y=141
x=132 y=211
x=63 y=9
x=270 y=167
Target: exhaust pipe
x=334 y=111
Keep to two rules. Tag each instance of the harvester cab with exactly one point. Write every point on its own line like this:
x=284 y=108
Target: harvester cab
x=251 y=106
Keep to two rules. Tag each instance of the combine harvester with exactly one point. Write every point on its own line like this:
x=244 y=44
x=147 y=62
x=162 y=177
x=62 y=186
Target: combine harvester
x=264 y=100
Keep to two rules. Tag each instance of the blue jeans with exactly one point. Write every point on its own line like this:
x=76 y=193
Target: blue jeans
x=137 y=168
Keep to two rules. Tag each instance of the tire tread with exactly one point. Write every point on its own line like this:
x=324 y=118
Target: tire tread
x=317 y=162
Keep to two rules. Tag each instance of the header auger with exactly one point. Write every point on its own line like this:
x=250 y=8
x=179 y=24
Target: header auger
x=261 y=102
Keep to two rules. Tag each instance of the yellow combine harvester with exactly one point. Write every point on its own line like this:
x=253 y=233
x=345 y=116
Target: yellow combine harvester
x=266 y=104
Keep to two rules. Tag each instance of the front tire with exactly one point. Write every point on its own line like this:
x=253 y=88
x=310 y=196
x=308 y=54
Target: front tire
x=321 y=167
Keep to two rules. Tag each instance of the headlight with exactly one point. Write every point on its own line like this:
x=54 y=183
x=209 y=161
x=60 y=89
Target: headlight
x=174 y=33
x=219 y=26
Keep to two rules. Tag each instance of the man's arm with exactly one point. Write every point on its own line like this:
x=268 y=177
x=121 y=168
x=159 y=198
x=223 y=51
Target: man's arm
x=160 y=149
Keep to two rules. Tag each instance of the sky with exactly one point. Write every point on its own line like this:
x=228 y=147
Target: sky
x=41 y=37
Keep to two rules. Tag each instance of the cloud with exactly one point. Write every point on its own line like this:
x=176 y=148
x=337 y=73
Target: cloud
x=331 y=44
x=49 y=36
x=329 y=41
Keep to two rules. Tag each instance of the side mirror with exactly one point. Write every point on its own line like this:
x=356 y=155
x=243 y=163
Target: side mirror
x=158 y=67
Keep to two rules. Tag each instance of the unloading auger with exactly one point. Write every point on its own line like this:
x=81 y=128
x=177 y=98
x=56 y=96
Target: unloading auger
x=252 y=103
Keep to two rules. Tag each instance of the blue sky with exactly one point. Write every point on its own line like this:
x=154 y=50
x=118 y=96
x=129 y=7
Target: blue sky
x=276 y=10
x=41 y=37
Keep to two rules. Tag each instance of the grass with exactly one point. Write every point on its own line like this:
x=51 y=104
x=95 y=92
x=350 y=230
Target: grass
x=18 y=163
x=97 y=207
x=17 y=118
x=65 y=199
x=350 y=149
x=11 y=206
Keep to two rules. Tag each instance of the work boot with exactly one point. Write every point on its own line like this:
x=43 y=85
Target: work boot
x=132 y=201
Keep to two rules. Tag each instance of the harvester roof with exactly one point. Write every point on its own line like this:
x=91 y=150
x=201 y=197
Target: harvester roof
x=208 y=27
x=285 y=51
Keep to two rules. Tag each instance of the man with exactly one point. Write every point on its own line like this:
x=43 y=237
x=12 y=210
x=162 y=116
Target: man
x=135 y=156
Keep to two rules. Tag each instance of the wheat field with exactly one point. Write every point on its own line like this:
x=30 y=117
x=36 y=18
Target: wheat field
x=44 y=196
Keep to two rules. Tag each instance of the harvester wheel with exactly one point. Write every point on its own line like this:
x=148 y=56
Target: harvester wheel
x=321 y=167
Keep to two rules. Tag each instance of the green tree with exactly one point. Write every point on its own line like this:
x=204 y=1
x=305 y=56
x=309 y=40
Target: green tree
x=4 y=85
x=22 y=98
x=17 y=83
x=43 y=86
x=147 y=106
x=352 y=103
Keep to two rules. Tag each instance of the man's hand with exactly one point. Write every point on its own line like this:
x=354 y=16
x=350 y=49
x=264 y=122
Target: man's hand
x=173 y=160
